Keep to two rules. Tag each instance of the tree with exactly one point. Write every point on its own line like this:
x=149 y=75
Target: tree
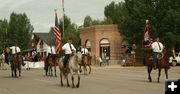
x=130 y=17
x=20 y=29
x=87 y=21
x=3 y=32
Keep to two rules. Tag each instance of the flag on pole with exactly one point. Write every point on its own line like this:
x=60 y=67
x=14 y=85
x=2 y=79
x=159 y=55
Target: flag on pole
x=57 y=35
x=147 y=37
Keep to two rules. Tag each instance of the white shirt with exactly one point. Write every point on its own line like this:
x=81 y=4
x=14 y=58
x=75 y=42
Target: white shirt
x=15 y=49
x=51 y=50
x=84 y=51
x=67 y=48
x=157 y=47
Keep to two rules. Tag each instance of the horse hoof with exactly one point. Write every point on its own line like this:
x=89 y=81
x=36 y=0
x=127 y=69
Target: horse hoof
x=68 y=85
x=77 y=86
x=61 y=84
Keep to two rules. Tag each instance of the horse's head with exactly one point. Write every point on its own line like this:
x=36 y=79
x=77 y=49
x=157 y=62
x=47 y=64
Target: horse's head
x=168 y=52
x=79 y=57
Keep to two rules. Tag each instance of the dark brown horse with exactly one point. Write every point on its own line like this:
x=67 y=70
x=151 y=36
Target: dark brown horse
x=50 y=64
x=16 y=64
x=86 y=62
x=163 y=63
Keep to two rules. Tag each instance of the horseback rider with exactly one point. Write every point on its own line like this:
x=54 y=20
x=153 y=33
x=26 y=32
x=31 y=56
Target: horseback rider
x=84 y=51
x=15 y=50
x=51 y=52
x=69 y=50
x=157 y=48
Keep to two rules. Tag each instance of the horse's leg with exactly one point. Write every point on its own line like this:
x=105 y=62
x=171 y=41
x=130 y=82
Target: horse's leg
x=166 y=72
x=12 y=71
x=55 y=70
x=78 y=80
x=15 y=71
x=89 y=69
x=72 y=78
x=19 y=71
x=85 y=69
x=61 y=78
x=80 y=68
x=159 y=74
x=67 y=81
x=51 y=70
x=46 y=69
x=149 y=69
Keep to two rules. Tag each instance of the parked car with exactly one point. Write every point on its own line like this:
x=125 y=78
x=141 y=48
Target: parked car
x=175 y=61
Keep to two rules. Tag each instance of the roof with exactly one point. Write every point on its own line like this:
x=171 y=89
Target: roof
x=48 y=38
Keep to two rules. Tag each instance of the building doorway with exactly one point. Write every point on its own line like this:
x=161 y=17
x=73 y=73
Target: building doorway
x=105 y=49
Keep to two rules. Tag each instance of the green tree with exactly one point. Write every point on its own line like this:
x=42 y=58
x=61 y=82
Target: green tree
x=20 y=29
x=87 y=21
x=130 y=17
x=70 y=30
x=3 y=32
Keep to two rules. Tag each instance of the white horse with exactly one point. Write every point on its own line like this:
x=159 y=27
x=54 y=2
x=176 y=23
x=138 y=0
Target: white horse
x=73 y=69
x=2 y=62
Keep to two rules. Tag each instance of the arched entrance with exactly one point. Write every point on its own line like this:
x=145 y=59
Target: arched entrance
x=104 y=49
x=88 y=44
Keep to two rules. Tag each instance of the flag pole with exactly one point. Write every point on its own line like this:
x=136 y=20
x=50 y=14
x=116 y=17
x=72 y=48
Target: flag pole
x=63 y=17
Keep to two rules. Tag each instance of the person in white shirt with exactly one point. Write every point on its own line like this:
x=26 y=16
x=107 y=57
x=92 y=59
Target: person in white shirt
x=69 y=50
x=15 y=50
x=84 y=50
x=51 y=53
x=157 y=48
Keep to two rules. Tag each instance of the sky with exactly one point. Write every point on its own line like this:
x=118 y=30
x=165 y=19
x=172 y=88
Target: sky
x=41 y=12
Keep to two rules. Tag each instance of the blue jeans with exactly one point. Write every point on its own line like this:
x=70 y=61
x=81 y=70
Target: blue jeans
x=155 y=54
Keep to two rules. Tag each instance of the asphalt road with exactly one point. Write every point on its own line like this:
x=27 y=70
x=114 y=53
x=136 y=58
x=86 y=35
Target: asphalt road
x=103 y=80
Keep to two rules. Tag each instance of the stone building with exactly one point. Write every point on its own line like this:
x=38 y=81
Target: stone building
x=102 y=41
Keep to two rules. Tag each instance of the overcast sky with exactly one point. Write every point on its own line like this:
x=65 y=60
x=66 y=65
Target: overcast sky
x=41 y=12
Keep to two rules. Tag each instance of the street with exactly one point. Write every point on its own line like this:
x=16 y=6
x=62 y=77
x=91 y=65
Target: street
x=113 y=79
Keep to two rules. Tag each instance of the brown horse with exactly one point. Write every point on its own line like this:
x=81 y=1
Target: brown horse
x=86 y=62
x=163 y=63
x=16 y=64
x=51 y=62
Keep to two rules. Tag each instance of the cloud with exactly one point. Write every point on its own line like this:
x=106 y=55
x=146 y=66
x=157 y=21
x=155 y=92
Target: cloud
x=20 y=3
x=4 y=3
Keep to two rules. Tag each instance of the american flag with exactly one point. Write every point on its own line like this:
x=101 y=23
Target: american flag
x=57 y=35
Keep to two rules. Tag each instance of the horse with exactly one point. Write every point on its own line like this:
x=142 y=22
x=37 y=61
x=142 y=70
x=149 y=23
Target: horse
x=86 y=61
x=16 y=64
x=49 y=64
x=162 y=63
x=72 y=69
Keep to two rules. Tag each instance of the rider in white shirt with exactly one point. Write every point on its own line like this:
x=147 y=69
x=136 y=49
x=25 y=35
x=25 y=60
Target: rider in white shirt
x=84 y=50
x=51 y=52
x=69 y=50
x=157 y=48
x=15 y=50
